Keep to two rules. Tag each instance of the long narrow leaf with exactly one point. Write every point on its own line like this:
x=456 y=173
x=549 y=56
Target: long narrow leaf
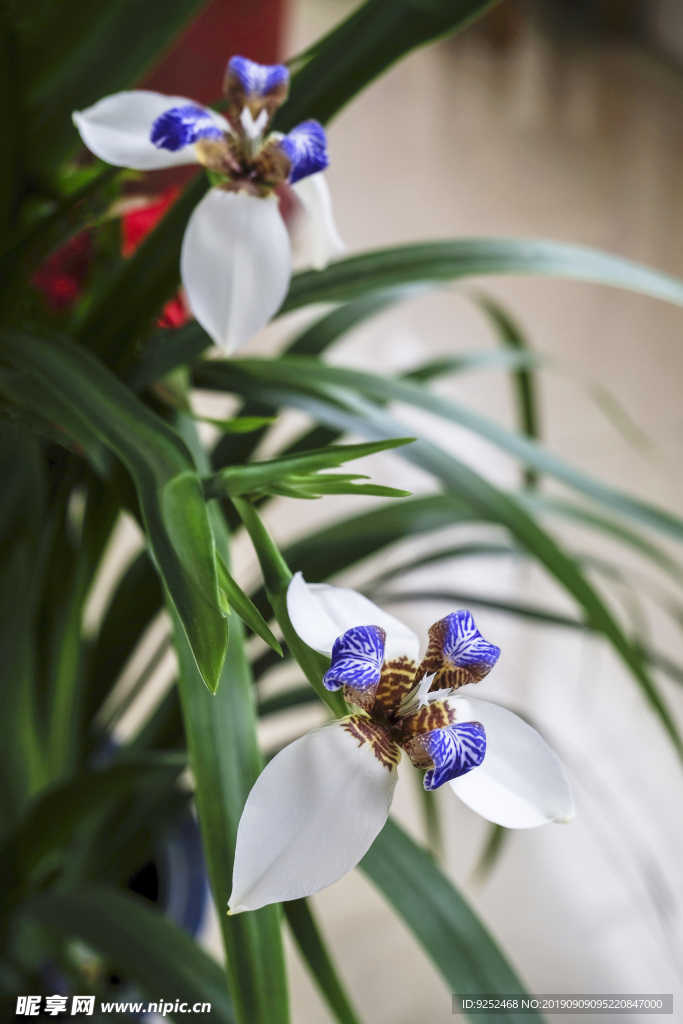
x=362 y=47
x=310 y=941
x=451 y=260
x=441 y=920
x=148 y=948
x=90 y=403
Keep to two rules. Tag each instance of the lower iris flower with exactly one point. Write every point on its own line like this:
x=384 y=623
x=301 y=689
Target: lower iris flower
x=318 y=805
x=236 y=260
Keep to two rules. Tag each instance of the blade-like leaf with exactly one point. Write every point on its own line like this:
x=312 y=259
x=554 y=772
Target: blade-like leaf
x=143 y=944
x=136 y=600
x=91 y=404
x=79 y=52
x=276 y=577
x=306 y=373
x=450 y=260
x=225 y=762
x=362 y=47
x=511 y=335
x=234 y=481
x=244 y=607
x=54 y=817
x=307 y=934
x=444 y=925
x=464 y=599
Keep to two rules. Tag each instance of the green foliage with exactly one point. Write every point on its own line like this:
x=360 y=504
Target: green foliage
x=87 y=434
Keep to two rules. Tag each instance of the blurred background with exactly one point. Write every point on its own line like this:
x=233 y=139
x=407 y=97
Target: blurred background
x=560 y=119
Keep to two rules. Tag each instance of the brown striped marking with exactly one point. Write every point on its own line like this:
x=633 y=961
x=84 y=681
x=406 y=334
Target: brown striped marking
x=376 y=735
x=432 y=716
x=397 y=680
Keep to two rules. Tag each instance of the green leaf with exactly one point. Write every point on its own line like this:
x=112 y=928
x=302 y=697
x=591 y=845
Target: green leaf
x=519 y=608
x=143 y=944
x=244 y=607
x=442 y=922
x=476 y=550
x=257 y=477
x=354 y=53
x=450 y=260
x=78 y=52
x=240 y=424
x=225 y=762
x=285 y=701
x=137 y=599
x=302 y=373
x=511 y=335
x=310 y=941
x=166 y=350
x=93 y=406
x=276 y=576
x=52 y=819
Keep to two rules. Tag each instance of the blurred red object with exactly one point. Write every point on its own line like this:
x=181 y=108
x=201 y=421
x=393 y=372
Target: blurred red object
x=139 y=222
x=194 y=67
x=63 y=274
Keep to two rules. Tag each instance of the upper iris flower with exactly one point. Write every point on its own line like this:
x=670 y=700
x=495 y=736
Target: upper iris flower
x=236 y=258
x=317 y=807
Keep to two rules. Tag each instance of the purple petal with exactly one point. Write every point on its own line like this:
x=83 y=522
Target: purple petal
x=455 y=750
x=357 y=658
x=465 y=647
x=306 y=147
x=258 y=79
x=457 y=653
x=182 y=126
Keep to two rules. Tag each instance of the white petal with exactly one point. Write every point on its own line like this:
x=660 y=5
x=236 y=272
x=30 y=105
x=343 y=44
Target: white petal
x=235 y=264
x=320 y=613
x=324 y=239
x=521 y=782
x=312 y=814
x=117 y=130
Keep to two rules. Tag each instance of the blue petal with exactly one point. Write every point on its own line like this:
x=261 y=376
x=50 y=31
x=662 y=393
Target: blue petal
x=357 y=658
x=465 y=647
x=306 y=147
x=455 y=750
x=181 y=126
x=258 y=79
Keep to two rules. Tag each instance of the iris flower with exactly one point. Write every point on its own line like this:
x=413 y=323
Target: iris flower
x=236 y=258
x=319 y=804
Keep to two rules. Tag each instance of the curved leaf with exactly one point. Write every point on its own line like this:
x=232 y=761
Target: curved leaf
x=451 y=934
x=466 y=257
x=338 y=66
x=140 y=941
x=92 y=405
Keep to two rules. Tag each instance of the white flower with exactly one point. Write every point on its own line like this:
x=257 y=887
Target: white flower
x=317 y=807
x=236 y=257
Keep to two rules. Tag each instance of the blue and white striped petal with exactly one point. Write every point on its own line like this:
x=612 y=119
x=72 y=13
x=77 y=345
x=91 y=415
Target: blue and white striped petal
x=357 y=658
x=183 y=126
x=457 y=653
x=455 y=750
x=306 y=148
x=257 y=79
x=117 y=129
